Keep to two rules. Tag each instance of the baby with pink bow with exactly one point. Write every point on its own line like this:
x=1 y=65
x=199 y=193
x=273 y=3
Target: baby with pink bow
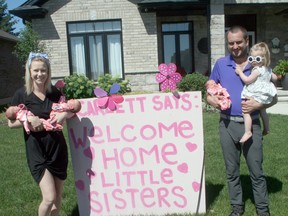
x=216 y=89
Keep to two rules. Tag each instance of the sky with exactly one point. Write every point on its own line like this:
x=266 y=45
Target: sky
x=12 y=4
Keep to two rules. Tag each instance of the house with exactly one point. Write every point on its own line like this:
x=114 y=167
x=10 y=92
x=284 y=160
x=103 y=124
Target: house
x=11 y=70
x=130 y=38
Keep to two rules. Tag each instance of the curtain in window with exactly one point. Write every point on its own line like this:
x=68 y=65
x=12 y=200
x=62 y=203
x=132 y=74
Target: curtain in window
x=96 y=56
x=78 y=55
x=114 y=55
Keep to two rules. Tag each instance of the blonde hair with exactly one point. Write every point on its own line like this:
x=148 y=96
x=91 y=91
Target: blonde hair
x=28 y=81
x=265 y=52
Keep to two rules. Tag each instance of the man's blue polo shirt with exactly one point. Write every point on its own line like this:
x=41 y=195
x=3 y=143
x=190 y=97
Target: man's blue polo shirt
x=224 y=73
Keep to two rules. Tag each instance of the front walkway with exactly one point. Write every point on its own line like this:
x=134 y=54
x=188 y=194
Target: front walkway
x=282 y=106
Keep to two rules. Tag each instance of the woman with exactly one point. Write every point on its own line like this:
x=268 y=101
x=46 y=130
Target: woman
x=46 y=151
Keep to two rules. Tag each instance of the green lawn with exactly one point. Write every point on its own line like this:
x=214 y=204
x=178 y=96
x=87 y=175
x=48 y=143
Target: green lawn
x=19 y=195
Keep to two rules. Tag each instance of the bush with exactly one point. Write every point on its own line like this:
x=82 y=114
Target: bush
x=281 y=68
x=106 y=81
x=78 y=86
x=193 y=82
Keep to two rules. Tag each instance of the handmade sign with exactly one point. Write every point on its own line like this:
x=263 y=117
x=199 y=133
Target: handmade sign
x=145 y=157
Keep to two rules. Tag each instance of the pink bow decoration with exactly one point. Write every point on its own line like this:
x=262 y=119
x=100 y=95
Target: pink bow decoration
x=110 y=100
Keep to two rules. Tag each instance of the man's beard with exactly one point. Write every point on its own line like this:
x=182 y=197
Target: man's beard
x=243 y=54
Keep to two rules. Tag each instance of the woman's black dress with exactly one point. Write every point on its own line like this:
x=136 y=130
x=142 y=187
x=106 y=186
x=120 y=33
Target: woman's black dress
x=45 y=149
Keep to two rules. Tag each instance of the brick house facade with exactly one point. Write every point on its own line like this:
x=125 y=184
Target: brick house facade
x=148 y=34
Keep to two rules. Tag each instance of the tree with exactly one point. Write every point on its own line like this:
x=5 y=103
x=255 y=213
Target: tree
x=29 y=41
x=6 y=20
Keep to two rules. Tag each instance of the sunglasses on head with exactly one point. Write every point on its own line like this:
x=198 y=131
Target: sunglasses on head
x=257 y=59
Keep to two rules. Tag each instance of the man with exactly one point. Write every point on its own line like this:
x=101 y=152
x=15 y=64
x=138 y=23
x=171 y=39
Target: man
x=231 y=125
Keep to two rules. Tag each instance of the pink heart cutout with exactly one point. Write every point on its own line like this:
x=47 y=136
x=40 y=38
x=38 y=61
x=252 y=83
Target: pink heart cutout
x=191 y=146
x=80 y=185
x=89 y=152
x=90 y=173
x=183 y=168
x=196 y=186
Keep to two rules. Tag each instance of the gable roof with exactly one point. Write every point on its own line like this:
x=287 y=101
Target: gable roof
x=30 y=9
x=9 y=37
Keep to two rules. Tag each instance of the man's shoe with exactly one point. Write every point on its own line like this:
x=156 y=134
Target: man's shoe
x=233 y=213
x=237 y=211
x=264 y=214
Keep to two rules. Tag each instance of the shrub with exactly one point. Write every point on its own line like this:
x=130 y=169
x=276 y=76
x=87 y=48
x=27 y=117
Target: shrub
x=281 y=68
x=78 y=86
x=193 y=82
x=106 y=81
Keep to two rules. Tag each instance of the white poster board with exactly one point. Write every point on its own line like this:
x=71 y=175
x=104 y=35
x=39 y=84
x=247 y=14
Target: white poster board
x=144 y=158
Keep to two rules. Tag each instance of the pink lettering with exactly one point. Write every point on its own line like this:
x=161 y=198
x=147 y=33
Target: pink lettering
x=186 y=126
x=110 y=139
x=166 y=103
x=95 y=133
x=146 y=195
x=152 y=180
x=142 y=176
x=141 y=100
x=106 y=200
x=129 y=157
x=163 y=127
x=113 y=158
x=158 y=105
x=182 y=198
x=122 y=203
x=95 y=206
x=162 y=194
x=123 y=134
x=165 y=153
x=132 y=192
x=124 y=157
x=103 y=180
x=128 y=177
x=132 y=105
x=143 y=152
x=167 y=176
x=108 y=133
x=147 y=128
x=187 y=103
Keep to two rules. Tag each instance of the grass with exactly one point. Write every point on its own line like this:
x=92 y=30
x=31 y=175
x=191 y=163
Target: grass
x=20 y=195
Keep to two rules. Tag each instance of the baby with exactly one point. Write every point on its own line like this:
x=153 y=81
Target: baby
x=21 y=113
x=216 y=89
x=72 y=105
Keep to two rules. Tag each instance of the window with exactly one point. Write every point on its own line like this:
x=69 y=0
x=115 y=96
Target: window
x=95 y=48
x=177 y=45
x=249 y=21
